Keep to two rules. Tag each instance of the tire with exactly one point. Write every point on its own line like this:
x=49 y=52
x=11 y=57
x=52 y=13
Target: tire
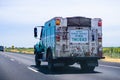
x=85 y=67
x=50 y=61
x=34 y=51
x=37 y=60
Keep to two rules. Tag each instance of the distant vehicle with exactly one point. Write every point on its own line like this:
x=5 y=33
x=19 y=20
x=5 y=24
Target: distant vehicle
x=70 y=40
x=1 y=48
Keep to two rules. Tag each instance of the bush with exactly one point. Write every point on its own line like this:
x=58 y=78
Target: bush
x=113 y=52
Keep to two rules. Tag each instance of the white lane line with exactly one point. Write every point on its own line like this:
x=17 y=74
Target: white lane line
x=12 y=59
x=32 y=69
x=110 y=66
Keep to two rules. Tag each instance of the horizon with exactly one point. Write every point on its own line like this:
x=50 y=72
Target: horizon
x=18 y=18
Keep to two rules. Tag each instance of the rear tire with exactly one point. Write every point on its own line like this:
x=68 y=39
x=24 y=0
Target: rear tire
x=37 y=60
x=85 y=67
x=50 y=61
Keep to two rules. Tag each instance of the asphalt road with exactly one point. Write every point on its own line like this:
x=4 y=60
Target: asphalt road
x=15 y=66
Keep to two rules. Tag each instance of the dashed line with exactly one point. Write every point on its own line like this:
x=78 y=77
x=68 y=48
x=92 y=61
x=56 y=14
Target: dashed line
x=32 y=69
x=12 y=59
x=5 y=55
x=110 y=66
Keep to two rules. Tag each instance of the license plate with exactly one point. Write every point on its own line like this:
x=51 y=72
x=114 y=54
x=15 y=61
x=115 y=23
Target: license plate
x=79 y=36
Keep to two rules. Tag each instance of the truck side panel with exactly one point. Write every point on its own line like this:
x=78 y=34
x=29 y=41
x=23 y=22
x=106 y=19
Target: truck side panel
x=49 y=40
x=97 y=29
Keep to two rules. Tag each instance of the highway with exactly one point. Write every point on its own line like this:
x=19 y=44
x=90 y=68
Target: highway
x=16 y=66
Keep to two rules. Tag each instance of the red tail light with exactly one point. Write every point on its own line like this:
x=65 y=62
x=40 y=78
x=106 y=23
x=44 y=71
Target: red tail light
x=58 y=38
x=100 y=23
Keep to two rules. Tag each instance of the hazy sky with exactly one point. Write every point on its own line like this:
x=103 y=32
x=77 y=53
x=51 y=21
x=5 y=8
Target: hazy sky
x=18 y=18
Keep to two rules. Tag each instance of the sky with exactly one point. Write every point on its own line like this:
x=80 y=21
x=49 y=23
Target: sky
x=19 y=17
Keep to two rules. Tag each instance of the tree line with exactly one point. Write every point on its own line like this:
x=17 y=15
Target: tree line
x=112 y=52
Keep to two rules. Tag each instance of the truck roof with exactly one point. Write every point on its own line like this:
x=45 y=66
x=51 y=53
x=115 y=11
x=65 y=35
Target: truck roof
x=79 y=21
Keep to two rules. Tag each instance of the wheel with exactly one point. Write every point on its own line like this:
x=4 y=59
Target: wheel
x=37 y=60
x=85 y=67
x=91 y=68
x=50 y=61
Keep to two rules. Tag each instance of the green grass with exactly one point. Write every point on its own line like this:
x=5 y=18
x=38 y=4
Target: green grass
x=20 y=50
x=113 y=52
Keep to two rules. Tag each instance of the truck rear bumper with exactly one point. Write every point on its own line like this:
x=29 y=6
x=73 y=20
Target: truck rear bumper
x=76 y=59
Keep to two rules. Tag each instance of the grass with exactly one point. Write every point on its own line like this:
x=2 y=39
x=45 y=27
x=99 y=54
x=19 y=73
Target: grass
x=112 y=52
x=21 y=50
x=109 y=59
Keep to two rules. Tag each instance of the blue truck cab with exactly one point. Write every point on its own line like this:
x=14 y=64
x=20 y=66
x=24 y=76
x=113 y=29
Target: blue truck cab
x=70 y=40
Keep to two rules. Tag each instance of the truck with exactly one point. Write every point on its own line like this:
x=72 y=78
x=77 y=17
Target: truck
x=70 y=40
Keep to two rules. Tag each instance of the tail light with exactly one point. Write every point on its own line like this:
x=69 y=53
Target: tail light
x=58 y=38
x=100 y=23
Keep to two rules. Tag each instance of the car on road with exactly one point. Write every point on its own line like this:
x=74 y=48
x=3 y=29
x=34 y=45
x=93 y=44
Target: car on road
x=1 y=48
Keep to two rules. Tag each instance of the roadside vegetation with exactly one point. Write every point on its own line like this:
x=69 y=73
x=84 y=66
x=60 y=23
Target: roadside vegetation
x=109 y=52
x=112 y=52
x=20 y=50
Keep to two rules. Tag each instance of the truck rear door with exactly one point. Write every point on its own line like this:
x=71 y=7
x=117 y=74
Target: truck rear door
x=81 y=37
x=79 y=42
x=84 y=37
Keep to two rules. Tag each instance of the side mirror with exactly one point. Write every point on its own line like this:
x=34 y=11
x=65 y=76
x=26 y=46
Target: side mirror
x=35 y=32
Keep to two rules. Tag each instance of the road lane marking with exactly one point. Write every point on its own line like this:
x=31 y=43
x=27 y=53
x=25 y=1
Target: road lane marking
x=110 y=66
x=32 y=69
x=12 y=59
